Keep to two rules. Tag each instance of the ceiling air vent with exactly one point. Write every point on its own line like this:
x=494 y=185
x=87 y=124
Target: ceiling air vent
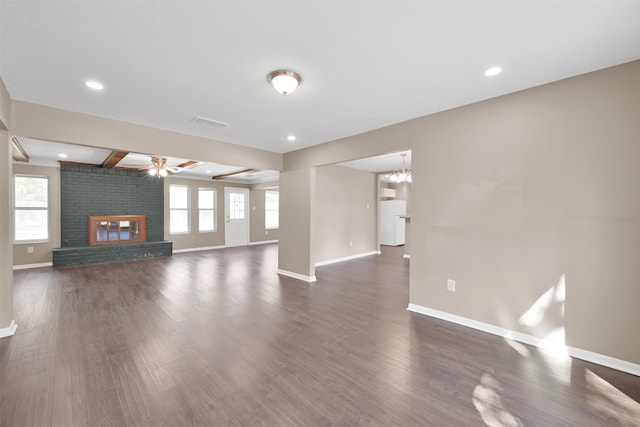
x=210 y=122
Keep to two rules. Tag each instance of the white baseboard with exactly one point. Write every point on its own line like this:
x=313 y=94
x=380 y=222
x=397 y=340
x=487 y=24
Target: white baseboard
x=346 y=258
x=263 y=242
x=204 y=248
x=38 y=265
x=298 y=276
x=589 y=356
x=9 y=330
x=406 y=256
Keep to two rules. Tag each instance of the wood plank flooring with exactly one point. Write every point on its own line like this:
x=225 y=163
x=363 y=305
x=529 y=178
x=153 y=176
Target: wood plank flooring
x=219 y=339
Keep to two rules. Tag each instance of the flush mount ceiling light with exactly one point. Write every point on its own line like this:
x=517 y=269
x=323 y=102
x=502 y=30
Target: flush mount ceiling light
x=92 y=84
x=403 y=175
x=284 y=81
x=291 y=138
x=493 y=71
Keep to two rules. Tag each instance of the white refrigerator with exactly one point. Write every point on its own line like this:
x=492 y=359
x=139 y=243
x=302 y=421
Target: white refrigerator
x=392 y=221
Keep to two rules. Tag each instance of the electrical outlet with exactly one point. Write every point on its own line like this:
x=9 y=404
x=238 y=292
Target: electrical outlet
x=29 y=249
x=451 y=285
x=350 y=243
x=266 y=232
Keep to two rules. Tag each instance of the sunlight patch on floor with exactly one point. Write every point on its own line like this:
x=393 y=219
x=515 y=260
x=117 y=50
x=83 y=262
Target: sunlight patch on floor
x=611 y=402
x=553 y=349
x=520 y=348
x=488 y=403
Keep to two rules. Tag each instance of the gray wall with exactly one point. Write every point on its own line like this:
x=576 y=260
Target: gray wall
x=89 y=190
x=522 y=192
x=346 y=205
x=296 y=250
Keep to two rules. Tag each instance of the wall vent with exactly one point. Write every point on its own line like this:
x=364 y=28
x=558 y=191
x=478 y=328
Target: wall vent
x=210 y=122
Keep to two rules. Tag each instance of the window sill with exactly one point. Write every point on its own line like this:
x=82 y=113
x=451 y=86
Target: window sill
x=30 y=242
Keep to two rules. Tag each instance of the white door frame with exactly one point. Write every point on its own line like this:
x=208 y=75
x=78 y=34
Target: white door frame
x=230 y=239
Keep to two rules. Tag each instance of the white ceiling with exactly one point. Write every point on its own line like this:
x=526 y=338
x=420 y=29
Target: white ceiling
x=364 y=65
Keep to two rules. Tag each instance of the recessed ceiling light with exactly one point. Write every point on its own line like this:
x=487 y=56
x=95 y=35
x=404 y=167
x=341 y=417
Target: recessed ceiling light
x=493 y=71
x=92 y=84
x=291 y=138
x=208 y=171
x=63 y=155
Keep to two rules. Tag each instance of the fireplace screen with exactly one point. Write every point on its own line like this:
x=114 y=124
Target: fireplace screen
x=112 y=229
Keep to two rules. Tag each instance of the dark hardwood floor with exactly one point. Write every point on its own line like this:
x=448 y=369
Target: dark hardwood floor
x=218 y=338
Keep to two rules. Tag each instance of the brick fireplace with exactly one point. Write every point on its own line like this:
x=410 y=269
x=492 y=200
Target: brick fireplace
x=89 y=191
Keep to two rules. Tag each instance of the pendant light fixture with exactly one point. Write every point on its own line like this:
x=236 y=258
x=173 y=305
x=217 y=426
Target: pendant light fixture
x=284 y=81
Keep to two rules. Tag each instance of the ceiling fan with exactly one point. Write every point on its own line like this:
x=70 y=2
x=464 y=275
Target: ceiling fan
x=160 y=168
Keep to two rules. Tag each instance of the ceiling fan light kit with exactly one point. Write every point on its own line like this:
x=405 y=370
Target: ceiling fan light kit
x=159 y=167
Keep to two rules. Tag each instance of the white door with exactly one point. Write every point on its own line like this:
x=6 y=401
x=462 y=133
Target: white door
x=236 y=214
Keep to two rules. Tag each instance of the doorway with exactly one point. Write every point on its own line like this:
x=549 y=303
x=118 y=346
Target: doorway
x=236 y=213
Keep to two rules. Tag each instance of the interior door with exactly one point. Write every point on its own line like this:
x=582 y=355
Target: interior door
x=236 y=213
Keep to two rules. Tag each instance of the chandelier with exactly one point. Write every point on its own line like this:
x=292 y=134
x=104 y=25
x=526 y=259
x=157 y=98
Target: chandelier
x=403 y=175
x=159 y=167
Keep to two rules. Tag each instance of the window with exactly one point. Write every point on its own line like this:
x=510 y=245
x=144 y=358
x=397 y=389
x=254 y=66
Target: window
x=178 y=209
x=31 y=202
x=236 y=208
x=271 y=209
x=206 y=209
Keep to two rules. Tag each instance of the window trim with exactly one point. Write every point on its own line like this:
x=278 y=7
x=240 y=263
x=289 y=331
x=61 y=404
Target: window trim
x=47 y=209
x=215 y=211
x=271 y=210
x=188 y=209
